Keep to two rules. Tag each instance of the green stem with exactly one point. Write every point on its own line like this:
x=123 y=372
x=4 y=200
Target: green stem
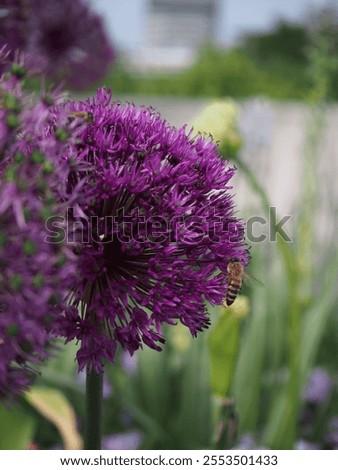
x=253 y=181
x=287 y=431
x=93 y=415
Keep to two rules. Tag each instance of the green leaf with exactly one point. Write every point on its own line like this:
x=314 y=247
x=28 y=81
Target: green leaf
x=194 y=426
x=60 y=371
x=247 y=383
x=276 y=417
x=54 y=406
x=316 y=319
x=64 y=360
x=283 y=412
x=146 y=397
x=148 y=423
x=16 y=428
x=153 y=381
x=223 y=347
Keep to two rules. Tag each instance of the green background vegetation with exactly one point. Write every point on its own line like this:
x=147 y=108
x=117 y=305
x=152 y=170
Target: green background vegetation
x=281 y=64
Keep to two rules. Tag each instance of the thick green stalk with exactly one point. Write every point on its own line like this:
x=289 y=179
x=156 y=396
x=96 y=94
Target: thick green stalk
x=93 y=415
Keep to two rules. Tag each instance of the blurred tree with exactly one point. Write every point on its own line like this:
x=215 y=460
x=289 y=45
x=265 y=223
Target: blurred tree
x=322 y=53
x=286 y=41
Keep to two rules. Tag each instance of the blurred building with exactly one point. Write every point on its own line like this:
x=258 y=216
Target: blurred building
x=175 y=30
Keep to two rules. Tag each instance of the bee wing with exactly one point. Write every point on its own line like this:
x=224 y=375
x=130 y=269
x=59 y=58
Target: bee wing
x=251 y=278
x=228 y=278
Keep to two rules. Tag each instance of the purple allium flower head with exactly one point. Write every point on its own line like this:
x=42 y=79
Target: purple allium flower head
x=319 y=386
x=66 y=37
x=160 y=229
x=34 y=275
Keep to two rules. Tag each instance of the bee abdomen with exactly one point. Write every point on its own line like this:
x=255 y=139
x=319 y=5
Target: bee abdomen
x=232 y=291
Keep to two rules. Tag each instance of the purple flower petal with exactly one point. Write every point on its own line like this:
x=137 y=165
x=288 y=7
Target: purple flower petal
x=123 y=441
x=319 y=386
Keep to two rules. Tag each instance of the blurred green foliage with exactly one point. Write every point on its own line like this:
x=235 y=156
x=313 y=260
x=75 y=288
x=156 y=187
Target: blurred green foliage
x=287 y=41
x=215 y=73
x=17 y=428
x=284 y=63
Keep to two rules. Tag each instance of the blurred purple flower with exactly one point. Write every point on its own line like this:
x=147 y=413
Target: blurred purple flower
x=306 y=445
x=34 y=275
x=246 y=442
x=332 y=436
x=130 y=440
x=307 y=416
x=249 y=442
x=129 y=362
x=126 y=418
x=107 y=391
x=162 y=229
x=12 y=30
x=66 y=37
x=319 y=386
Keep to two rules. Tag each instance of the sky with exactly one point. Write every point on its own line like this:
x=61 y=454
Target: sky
x=126 y=19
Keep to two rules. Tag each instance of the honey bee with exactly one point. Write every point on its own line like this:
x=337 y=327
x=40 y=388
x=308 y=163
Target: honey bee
x=86 y=116
x=236 y=273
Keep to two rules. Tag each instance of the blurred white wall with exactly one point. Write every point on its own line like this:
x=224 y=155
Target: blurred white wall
x=276 y=146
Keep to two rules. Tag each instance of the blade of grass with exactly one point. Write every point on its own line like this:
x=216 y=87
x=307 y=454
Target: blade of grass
x=247 y=383
x=195 y=411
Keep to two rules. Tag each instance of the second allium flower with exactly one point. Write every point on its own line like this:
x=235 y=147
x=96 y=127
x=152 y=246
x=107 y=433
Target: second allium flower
x=155 y=230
